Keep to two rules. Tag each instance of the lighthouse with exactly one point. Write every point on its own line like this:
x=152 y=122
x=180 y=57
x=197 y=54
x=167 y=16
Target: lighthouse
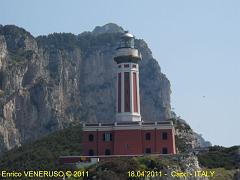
x=127 y=134
x=127 y=58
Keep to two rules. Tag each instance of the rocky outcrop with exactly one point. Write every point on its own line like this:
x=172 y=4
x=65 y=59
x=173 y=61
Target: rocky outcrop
x=108 y=28
x=201 y=141
x=186 y=139
x=49 y=82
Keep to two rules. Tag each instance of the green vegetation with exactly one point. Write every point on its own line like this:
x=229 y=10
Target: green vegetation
x=44 y=154
x=114 y=168
x=21 y=56
x=222 y=173
x=10 y=30
x=58 y=40
x=157 y=163
x=84 y=41
x=118 y=168
x=87 y=40
x=218 y=156
x=15 y=38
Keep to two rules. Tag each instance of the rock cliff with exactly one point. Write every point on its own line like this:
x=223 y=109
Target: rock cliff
x=49 y=82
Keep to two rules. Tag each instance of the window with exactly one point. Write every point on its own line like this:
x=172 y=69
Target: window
x=164 y=150
x=148 y=150
x=119 y=66
x=126 y=65
x=147 y=136
x=134 y=65
x=107 y=152
x=107 y=137
x=91 y=137
x=91 y=152
x=127 y=43
x=164 y=136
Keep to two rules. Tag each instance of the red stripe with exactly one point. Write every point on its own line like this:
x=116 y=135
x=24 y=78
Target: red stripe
x=127 y=91
x=119 y=92
x=135 y=100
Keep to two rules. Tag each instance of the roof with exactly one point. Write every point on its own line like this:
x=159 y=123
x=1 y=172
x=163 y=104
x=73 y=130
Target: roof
x=127 y=35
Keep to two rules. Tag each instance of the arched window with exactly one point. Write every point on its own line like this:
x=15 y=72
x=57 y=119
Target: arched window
x=91 y=137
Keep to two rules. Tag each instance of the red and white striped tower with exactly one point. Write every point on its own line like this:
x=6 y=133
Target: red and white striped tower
x=128 y=100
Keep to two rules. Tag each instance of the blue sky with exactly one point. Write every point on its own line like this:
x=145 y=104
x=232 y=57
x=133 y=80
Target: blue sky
x=197 y=44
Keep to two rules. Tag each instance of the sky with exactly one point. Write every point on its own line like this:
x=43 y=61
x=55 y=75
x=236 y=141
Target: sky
x=197 y=45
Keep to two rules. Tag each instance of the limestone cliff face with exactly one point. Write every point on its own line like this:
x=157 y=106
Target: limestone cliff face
x=48 y=82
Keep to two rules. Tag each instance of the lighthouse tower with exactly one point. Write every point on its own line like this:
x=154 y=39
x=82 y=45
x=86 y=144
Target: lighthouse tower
x=128 y=135
x=127 y=96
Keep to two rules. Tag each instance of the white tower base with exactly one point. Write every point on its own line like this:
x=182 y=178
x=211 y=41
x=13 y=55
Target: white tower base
x=127 y=117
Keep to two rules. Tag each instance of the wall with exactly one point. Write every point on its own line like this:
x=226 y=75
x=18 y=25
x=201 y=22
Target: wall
x=129 y=142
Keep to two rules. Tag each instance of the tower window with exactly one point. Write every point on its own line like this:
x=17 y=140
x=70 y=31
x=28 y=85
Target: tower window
x=148 y=150
x=164 y=135
x=126 y=65
x=107 y=152
x=134 y=66
x=107 y=137
x=164 y=150
x=91 y=152
x=147 y=136
x=91 y=137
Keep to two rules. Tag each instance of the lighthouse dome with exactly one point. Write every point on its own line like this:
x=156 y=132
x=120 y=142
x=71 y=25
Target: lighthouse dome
x=127 y=35
x=127 y=40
